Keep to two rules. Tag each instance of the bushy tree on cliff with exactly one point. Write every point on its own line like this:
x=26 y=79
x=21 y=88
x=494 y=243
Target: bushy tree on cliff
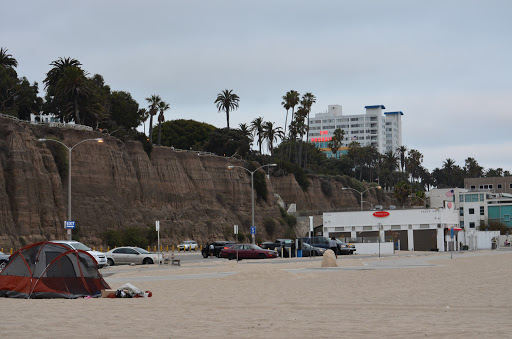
x=228 y=142
x=401 y=191
x=186 y=134
x=17 y=96
x=227 y=101
x=124 y=112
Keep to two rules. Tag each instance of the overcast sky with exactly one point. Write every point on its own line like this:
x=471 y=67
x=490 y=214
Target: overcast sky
x=445 y=64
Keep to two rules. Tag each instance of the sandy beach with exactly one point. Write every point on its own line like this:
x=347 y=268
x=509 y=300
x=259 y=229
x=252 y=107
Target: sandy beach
x=406 y=295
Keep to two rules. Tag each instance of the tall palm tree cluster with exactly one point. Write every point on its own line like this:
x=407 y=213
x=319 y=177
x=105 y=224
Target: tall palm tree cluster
x=299 y=124
x=266 y=131
x=156 y=105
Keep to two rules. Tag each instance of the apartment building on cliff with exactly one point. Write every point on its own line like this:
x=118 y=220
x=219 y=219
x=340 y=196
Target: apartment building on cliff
x=384 y=131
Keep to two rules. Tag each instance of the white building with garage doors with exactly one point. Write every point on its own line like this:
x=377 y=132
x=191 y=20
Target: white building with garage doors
x=414 y=229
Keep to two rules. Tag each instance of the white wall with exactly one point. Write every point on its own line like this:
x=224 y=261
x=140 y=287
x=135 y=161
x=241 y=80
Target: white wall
x=484 y=239
x=373 y=248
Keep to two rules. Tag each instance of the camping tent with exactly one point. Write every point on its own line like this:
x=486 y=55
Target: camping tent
x=51 y=270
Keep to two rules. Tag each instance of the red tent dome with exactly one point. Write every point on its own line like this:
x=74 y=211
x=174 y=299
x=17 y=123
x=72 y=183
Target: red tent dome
x=51 y=270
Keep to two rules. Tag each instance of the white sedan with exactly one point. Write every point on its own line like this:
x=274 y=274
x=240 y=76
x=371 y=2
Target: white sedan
x=188 y=245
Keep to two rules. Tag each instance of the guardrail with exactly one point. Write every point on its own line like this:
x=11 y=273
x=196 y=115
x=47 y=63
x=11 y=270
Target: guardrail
x=50 y=124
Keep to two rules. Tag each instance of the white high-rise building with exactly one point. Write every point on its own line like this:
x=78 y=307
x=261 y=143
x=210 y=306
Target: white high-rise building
x=372 y=128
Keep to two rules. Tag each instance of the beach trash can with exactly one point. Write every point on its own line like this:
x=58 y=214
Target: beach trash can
x=299 y=253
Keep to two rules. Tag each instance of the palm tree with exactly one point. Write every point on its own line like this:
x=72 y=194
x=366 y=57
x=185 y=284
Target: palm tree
x=154 y=104
x=71 y=87
x=144 y=115
x=162 y=106
x=258 y=130
x=246 y=131
x=227 y=101
x=390 y=161
x=292 y=100
x=300 y=128
x=6 y=60
x=272 y=134
x=473 y=169
x=336 y=141
x=287 y=107
x=308 y=100
x=414 y=160
x=402 y=150
x=401 y=192
x=355 y=152
x=53 y=75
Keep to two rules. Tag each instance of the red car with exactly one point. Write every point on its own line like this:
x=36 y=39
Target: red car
x=247 y=251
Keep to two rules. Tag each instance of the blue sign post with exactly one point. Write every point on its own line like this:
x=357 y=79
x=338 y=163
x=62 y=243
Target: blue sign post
x=253 y=229
x=69 y=224
x=452 y=234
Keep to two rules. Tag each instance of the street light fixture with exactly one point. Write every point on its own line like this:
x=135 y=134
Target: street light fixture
x=69 y=170
x=252 y=188
x=416 y=197
x=350 y=188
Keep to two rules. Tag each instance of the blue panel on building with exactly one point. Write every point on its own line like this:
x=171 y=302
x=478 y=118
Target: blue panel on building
x=500 y=213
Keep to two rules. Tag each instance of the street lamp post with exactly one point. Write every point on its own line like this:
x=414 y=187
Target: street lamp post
x=252 y=189
x=350 y=188
x=69 y=170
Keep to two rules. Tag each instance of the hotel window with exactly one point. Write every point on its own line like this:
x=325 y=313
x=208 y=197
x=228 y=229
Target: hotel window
x=499 y=185
x=471 y=211
x=482 y=210
x=490 y=186
x=461 y=198
x=471 y=225
x=471 y=198
x=473 y=187
x=461 y=211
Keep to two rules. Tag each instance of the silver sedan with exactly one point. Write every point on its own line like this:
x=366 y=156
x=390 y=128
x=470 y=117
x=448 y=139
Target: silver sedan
x=131 y=255
x=4 y=260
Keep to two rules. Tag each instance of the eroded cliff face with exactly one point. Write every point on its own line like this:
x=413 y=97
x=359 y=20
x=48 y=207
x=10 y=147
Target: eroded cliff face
x=116 y=185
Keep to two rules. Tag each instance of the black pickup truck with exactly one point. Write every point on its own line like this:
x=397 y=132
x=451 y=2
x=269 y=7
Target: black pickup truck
x=217 y=247
x=278 y=244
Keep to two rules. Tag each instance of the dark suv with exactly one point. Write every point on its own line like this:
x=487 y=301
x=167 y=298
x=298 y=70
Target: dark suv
x=323 y=242
x=217 y=247
x=316 y=241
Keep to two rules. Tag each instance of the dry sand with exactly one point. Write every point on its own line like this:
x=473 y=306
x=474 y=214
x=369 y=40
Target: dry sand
x=408 y=295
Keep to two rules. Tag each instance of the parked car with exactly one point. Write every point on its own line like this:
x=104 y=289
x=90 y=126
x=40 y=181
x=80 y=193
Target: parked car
x=127 y=255
x=188 y=245
x=316 y=241
x=4 y=260
x=277 y=244
x=247 y=251
x=100 y=257
x=344 y=248
x=217 y=247
x=308 y=250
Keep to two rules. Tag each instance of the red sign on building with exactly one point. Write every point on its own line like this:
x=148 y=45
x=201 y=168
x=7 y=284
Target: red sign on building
x=381 y=214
